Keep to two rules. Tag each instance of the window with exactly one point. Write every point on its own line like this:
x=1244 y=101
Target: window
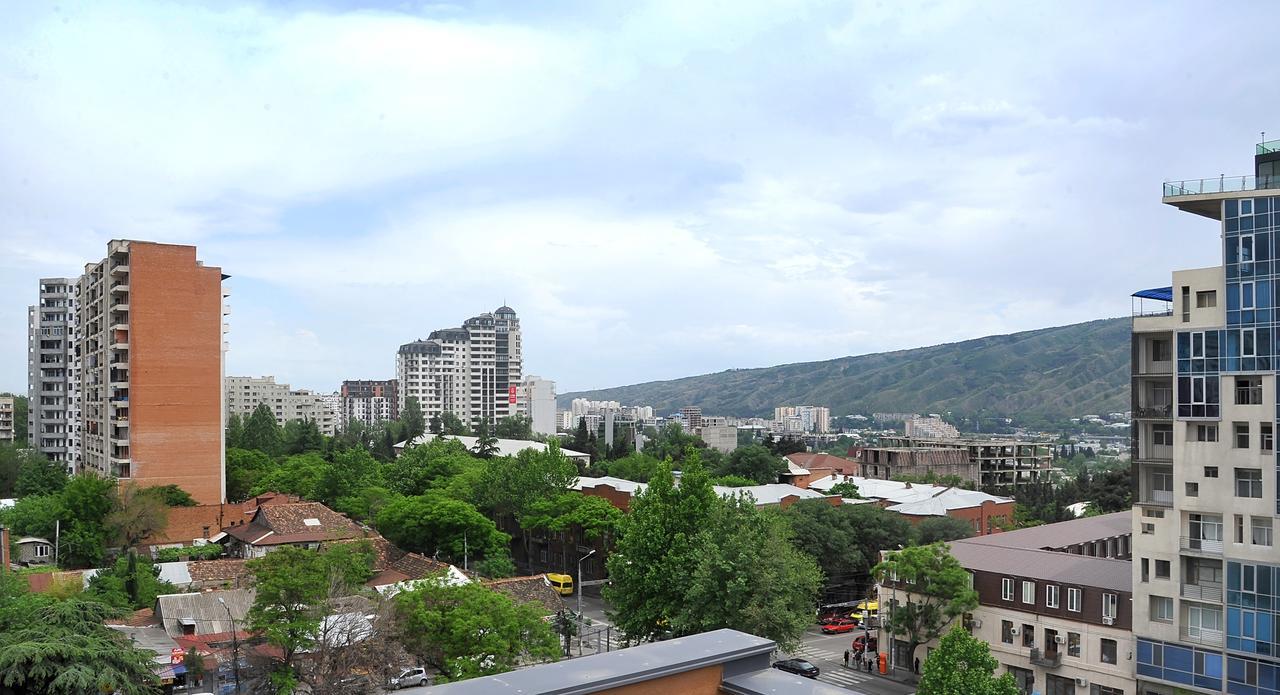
x=1246 y=249
x=1210 y=471
x=1096 y=689
x=1148 y=529
x=42 y=550
x=1146 y=570
x=1186 y=303
x=1073 y=600
x=1193 y=489
x=1197 y=344
x=1197 y=390
x=1249 y=482
x=1162 y=435
x=1006 y=589
x=1028 y=592
x=1162 y=569
x=1109 y=606
x=1239 y=528
x=1260 y=528
x=1051 y=595
x=1266 y=439
x=1073 y=644
x=1241 y=430
x=1161 y=351
x=1028 y=635
x=1203 y=621
x=1248 y=390
x=1206 y=299
x=1248 y=342
x=1162 y=609
x=1006 y=631
x=1108 y=651
x=1206 y=433
x=1246 y=295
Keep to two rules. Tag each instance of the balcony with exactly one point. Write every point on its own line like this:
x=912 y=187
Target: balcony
x=1204 y=196
x=1052 y=659
x=1156 y=498
x=122 y=269
x=1203 y=546
x=1154 y=412
x=1269 y=147
x=1201 y=635
x=1203 y=592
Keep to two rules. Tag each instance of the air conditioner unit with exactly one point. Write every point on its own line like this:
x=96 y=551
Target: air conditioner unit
x=1082 y=682
x=1108 y=620
x=976 y=623
x=1059 y=639
x=1013 y=631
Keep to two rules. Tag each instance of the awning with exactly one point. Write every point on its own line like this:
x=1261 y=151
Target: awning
x=1164 y=294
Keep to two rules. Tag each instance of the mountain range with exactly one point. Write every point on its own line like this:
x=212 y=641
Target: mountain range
x=1041 y=375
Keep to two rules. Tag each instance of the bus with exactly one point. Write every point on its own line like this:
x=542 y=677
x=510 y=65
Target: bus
x=562 y=583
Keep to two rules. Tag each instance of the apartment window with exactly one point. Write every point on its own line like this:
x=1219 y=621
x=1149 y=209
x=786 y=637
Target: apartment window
x=1260 y=530
x=1028 y=592
x=1108 y=651
x=1239 y=528
x=1006 y=631
x=1246 y=249
x=1186 y=303
x=1266 y=438
x=1073 y=600
x=1210 y=471
x=1162 y=435
x=1162 y=569
x=1197 y=390
x=1193 y=489
x=1206 y=433
x=1241 y=430
x=1249 y=482
x=1248 y=342
x=1006 y=589
x=1096 y=689
x=1073 y=644
x=1109 y=606
x=1028 y=635
x=1162 y=609
x=1246 y=295
x=1206 y=299
x=1248 y=389
x=1161 y=351
x=1146 y=570
x=1051 y=595
x=1148 y=529
x=42 y=550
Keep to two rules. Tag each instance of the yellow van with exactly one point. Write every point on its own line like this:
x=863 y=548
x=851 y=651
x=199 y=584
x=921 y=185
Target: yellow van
x=562 y=583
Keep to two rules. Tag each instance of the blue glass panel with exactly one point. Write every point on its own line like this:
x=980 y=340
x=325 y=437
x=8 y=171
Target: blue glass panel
x=1233 y=208
x=1233 y=622
x=1178 y=676
x=1213 y=665
x=1177 y=658
x=1149 y=670
x=1144 y=651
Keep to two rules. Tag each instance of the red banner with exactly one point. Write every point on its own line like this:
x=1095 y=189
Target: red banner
x=511 y=394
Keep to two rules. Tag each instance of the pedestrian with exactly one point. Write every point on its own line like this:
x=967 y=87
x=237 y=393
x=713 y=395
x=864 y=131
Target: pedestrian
x=917 y=669
x=846 y=658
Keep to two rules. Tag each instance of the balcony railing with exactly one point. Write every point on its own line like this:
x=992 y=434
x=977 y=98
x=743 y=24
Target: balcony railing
x=1154 y=411
x=1162 y=498
x=1203 y=592
x=1221 y=184
x=1047 y=659
x=1201 y=545
x=1201 y=635
x=1269 y=146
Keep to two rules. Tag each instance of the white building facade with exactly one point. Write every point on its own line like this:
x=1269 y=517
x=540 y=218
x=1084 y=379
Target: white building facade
x=245 y=393
x=538 y=403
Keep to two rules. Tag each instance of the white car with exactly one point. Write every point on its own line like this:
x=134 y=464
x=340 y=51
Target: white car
x=409 y=678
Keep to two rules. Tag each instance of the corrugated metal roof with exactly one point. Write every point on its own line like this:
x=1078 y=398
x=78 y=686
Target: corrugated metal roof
x=1044 y=564
x=1064 y=533
x=203 y=610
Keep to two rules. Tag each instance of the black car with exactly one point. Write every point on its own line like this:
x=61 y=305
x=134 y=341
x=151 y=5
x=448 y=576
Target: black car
x=800 y=667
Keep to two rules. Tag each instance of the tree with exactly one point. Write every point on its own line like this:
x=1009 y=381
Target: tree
x=135 y=515
x=581 y=437
x=431 y=465
x=235 y=432
x=486 y=444
x=437 y=427
x=658 y=544
x=35 y=515
x=10 y=460
x=844 y=540
x=450 y=424
x=747 y=576
x=413 y=420
x=755 y=463
x=637 y=466
x=495 y=566
x=171 y=495
x=514 y=427
x=468 y=630
x=593 y=516
x=244 y=468
x=261 y=432
x=673 y=442
x=131 y=583
x=733 y=481
x=299 y=475
x=87 y=499
x=37 y=475
x=350 y=472
x=63 y=647
x=434 y=525
x=963 y=664
x=846 y=489
x=784 y=446
x=937 y=589
x=511 y=484
x=301 y=436
x=942 y=529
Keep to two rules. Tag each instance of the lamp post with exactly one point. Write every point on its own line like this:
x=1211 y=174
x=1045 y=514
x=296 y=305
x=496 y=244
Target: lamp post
x=235 y=644
x=593 y=552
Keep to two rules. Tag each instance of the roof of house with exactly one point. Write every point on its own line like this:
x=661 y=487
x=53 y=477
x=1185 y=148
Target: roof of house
x=142 y=617
x=772 y=493
x=772 y=681
x=40 y=582
x=619 y=484
x=1067 y=568
x=919 y=499
x=204 y=610
x=221 y=570
x=945 y=500
x=1063 y=533
x=153 y=639
x=533 y=589
x=506 y=447
x=32 y=539
x=185 y=524
x=298 y=522
x=407 y=567
x=818 y=460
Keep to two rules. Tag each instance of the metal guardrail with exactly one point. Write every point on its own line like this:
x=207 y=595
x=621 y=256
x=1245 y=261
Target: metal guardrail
x=1221 y=184
x=1202 y=592
x=1268 y=147
x=1201 y=545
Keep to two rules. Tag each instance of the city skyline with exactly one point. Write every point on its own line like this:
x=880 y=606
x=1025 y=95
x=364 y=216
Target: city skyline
x=682 y=189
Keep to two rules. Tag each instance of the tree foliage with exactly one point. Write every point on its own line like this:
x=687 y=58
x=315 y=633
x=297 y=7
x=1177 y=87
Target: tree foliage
x=846 y=489
x=245 y=467
x=594 y=516
x=963 y=664
x=845 y=540
x=135 y=514
x=36 y=474
x=511 y=484
x=171 y=495
x=131 y=583
x=415 y=424
x=754 y=462
x=438 y=526
x=937 y=590
x=514 y=427
x=942 y=529
x=261 y=432
x=301 y=436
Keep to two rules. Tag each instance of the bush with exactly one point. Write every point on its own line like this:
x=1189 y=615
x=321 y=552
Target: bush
x=209 y=551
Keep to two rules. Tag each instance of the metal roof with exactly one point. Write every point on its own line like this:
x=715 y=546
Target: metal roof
x=1063 y=533
x=771 y=681
x=1164 y=294
x=1030 y=563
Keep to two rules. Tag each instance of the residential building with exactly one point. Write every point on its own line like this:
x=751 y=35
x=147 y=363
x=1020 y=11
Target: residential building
x=34 y=551
x=918 y=461
x=130 y=375
x=930 y=428
x=305 y=524
x=1207 y=576
x=723 y=438
x=473 y=372
x=6 y=419
x=692 y=417
x=538 y=403
x=504 y=447
x=919 y=501
x=619 y=491
x=368 y=402
x=246 y=393
x=815 y=419
x=804 y=467
x=710 y=663
x=188 y=526
x=992 y=463
x=1059 y=622
x=53 y=379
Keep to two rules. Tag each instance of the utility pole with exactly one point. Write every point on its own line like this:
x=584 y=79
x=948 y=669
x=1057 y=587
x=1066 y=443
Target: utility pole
x=579 y=587
x=235 y=645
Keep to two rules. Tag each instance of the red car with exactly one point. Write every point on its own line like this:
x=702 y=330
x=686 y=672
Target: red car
x=836 y=627
x=860 y=641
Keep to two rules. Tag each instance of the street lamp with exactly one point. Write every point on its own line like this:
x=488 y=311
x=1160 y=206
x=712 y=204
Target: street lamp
x=593 y=552
x=235 y=644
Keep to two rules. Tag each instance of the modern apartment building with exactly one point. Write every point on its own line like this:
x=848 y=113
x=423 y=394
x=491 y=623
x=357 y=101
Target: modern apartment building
x=802 y=418
x=6 y=419
x=245 y=393
x=473 y=371
x=139 y=390
x=1206 y=570
x=538 y=403
x=368 y=401
x=53 y=376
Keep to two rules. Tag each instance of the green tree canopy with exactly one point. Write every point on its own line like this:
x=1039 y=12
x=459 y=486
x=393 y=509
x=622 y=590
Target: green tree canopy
x=432 y=524
x=754 y=462
x=574 y=510
x=733 y=481
x=131 y=583
x=171 y=495
x=37 y=475
x=415 y=424
x=846 y=489
x=450 y=424
x=301 y=436
x=963 y=664
x=511 y=484
x=299 y=475
x=235 y=432
x=428 y=466
x=934 y=589
x=468 y=630
x=636 y=466
x=674 y=443
x=514 y=427
x=942 y=528
x=135 y=514
x=34 y=516
x=262 y=433
x=245 y=467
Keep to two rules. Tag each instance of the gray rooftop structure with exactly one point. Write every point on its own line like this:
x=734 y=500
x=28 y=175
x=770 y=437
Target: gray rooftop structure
x=204 y=612
x=744 y=659
x=1064 y=534
x=1044 y=564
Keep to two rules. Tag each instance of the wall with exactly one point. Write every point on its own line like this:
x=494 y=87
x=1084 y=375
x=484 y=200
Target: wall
x=702 y=681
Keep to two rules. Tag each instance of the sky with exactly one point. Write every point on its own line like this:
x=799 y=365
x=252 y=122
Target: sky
x=659 y=189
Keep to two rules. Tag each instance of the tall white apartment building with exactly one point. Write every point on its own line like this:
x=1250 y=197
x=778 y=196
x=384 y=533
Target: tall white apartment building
x=931 y=428
x=245 y=393
x=1204 y=398
x=802 y=418
x=473 y=371
x=53 y=379
x=6 y=418
x=538 y=403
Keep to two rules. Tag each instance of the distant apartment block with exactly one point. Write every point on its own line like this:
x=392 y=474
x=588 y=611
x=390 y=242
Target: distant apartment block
x=53 y=376
x=6 y=419
x=990 y=463
x=473 y=372
x=368 y=402
x=722 y=438
x=887 y=463
x=246 y=393
x=814 y=419
x=930 y=428
x=127 y=369
x=538 y=403
x=692 y=417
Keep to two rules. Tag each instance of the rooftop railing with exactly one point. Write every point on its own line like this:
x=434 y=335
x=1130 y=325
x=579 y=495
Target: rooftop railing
x=1222 y=184
x=1269 y=146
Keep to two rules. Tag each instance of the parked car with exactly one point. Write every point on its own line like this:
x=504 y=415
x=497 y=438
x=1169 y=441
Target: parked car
x=860 y=642
x=841 y=626
x=800 y=667
x=827 y=618
x=409 y=678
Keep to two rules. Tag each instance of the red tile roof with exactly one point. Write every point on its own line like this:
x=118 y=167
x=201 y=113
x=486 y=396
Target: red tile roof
x=231 y=571
x=277 y=524
x=533 y=589
x=188 y=523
